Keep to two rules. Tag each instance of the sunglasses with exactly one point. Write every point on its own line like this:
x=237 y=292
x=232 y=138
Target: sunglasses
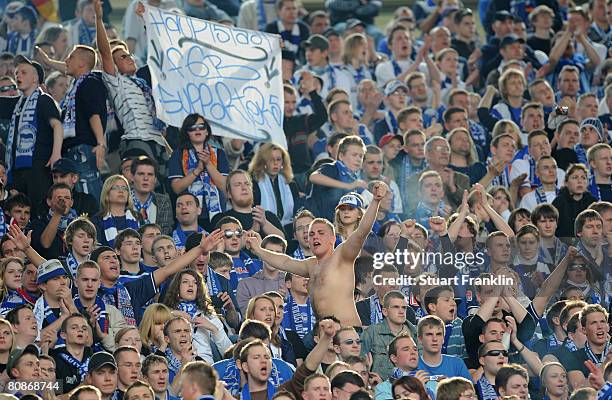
x=7 y=88
x=576 y=267
x=120 y=187
x=350 y=342
x=197 y=127
x=496 y=353
x=238 y=233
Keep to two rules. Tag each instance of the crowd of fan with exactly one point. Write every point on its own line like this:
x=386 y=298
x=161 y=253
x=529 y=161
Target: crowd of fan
x=132 y=264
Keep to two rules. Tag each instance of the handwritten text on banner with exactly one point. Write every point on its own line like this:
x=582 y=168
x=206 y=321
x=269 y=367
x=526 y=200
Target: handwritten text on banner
x=231 y=76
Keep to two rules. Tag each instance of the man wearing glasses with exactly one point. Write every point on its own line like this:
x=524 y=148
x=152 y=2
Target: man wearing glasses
x=347 y=343
x=437 y=154
x=492 y=356
x=233 y=244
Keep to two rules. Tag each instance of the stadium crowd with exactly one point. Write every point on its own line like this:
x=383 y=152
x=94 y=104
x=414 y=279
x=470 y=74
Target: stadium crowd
x=425 y=161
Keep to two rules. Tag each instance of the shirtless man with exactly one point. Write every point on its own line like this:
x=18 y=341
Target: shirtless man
x=331 y=272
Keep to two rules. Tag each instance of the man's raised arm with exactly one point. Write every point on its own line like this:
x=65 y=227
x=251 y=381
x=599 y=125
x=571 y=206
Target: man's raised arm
x=276 y=260
x=106 y=56
x=349 y=250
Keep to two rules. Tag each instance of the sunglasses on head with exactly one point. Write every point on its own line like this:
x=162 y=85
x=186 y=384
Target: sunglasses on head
x=238 y=233
x=496 y=353
x=197 y=127
x=7 y=88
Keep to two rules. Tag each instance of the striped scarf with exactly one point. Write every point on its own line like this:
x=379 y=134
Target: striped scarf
x=203 y=187
x=119 y=297
x=110 y=230
x=68 y=103
x=25 y=133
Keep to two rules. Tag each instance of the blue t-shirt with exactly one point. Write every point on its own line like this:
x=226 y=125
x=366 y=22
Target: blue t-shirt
x=450 y=366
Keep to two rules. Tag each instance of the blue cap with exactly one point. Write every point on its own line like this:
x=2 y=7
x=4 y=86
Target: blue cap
x=50 y=269
x=351 y=199
x=64 y=166
x=596 y=124
x=393 y=85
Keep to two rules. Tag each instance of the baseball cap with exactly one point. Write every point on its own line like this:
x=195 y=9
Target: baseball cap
x=595 y=123
x=352 y=23
x=510 y=39
x=21 y=59
x=317 y=42
x=392 y=86
x=65 y=166
x=502 y=15
x=97 y=252
x=99 y=360
x=351 y=199
x=50 y=269
x=16 y=355
x=389 y=137
x=331 y=32
x=449 y=10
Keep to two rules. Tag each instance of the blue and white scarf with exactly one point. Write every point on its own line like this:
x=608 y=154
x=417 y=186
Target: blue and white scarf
x=203 y=187
x=148 y=96
x=291 y=38
x=140 y=206
x=297 y=321
x=119 y=297
x=231 y=377
x=560 y=251
x=103 y=321
x=87 y=35
x=376 y=314
x=68 y=103
x=110 y=230
x=347 y=175
x=268 y=198
x=486 y=391
x=11 y=300
x=391 y=122
x=81 y=366
x=3 y=228
x=597 y=360
x=174 y=365
x=73 y=264
x=212 y=282
x=581 y=154
x=180 y=237
x=44 y=313
x=262 y=19
x=299 y=254
x=25 y=133
x=190 y=307
x=17 y=44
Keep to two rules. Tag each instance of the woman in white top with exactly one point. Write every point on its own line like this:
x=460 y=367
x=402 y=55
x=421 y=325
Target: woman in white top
x=187 y=293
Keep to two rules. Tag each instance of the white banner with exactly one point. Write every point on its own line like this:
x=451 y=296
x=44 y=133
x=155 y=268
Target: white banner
x=231 y=76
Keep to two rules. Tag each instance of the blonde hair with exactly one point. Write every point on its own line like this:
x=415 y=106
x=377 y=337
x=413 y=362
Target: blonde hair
x=250 y=311
x=10 y=328
x=473 y=156
x=3 y=266
x=340 y=228
x=154 y=314
x=104 y=195
x=505 y=77
x=264 y=154
x=351 y=43
x=501 y=126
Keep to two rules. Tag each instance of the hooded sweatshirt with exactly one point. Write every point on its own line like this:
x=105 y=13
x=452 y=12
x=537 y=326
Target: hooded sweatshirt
x=256 y=285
